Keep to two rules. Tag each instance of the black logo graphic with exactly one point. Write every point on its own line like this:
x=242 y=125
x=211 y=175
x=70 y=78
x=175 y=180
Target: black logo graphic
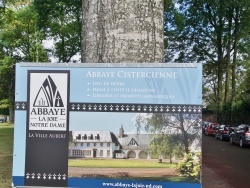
x=48 y=95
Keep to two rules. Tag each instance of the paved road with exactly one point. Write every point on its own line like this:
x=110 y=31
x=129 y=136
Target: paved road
x=224 y=165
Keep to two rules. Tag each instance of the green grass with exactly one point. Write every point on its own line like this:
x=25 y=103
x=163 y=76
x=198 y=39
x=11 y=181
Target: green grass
x=6 y=150
x=119 y=163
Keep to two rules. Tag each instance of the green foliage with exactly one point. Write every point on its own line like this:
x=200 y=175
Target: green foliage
x=237 y=112
x=190 y=166
x=60 y=21
x=178 y=152
x=20 y=37
x=20 y=40
x=215 y=33
x=171 y=130
x=7 y=85
x=3 y=105
x=165 y=146
x=7 y=77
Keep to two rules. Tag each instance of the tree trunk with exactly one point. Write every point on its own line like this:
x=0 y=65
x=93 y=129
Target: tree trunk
x=234 y=65
x=220 y=62
x=184 y=134
x=122 y=31
x=228 y=55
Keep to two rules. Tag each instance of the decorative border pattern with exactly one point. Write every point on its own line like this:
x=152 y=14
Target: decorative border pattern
x=122 y=107
x=138 y=108
x=21 y=105
x=44 y=176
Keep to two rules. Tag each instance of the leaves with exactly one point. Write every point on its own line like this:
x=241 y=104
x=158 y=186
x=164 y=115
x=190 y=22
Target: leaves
x=60 y=21
x=20 y=40
x=172 y=132
x=189 y=167
x=215 y=33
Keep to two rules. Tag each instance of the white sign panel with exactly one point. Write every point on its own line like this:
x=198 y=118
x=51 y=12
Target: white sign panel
x=48 y=101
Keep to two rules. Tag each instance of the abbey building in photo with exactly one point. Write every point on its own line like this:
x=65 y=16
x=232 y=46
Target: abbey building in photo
x=105 y=144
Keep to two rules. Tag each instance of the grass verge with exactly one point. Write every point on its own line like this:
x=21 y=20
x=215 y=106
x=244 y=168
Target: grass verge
x=6 y=156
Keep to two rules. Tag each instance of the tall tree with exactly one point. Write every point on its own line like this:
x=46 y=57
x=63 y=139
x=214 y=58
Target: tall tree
x=212 y=32
x=20 y=40
x=7 y=85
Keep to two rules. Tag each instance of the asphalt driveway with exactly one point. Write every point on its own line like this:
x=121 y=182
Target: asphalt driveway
x=224 y=165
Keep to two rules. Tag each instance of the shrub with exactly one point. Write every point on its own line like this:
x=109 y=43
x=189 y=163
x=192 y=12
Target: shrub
x=190 y=166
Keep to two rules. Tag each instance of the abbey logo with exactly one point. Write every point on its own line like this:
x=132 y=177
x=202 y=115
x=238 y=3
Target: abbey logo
x=48 y=95
x=48 y=101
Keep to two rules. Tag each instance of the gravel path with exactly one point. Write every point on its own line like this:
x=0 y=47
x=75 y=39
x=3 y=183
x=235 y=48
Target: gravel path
x=121 y=172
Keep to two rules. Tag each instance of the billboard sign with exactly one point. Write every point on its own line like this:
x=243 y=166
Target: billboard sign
x=107 y=125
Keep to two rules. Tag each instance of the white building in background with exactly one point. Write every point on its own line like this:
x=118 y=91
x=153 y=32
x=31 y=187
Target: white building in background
x=93 y=144
x=105 y=144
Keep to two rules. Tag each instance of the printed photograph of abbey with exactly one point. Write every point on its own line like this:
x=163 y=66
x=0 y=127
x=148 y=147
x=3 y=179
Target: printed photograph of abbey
x=164 y=140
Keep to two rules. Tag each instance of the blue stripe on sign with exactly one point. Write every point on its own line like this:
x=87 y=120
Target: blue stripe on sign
x=98 y=183
x=18 y=181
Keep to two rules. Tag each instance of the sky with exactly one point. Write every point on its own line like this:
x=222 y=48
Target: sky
x=108 y=121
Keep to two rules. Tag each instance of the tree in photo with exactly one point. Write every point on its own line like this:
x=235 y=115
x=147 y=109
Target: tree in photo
x=175 y=134
x=166 y=146
x=184 y=128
